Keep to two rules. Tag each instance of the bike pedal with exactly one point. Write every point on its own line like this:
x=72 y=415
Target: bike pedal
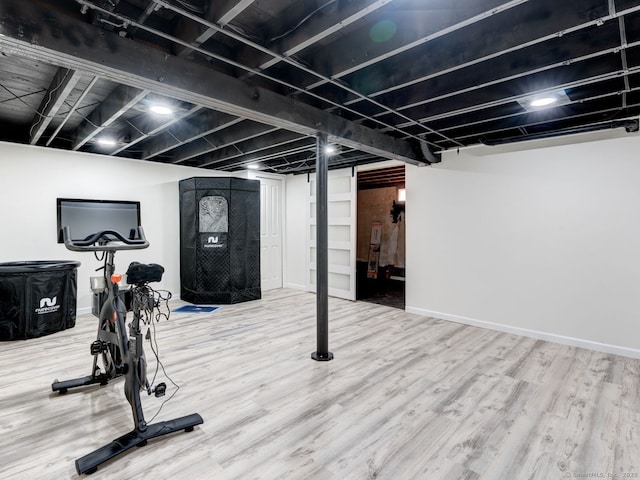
x=97 y=347
x=160 y=390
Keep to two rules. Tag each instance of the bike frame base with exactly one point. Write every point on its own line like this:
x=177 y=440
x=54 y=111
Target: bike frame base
x=90 y=462
x=64 y=385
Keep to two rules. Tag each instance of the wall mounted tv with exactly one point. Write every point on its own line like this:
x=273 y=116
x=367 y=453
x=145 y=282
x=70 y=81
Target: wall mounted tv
x=86 y=217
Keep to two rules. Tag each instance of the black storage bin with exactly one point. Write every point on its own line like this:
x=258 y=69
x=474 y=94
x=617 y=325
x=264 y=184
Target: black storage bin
x=37 y=298
x=219 y=240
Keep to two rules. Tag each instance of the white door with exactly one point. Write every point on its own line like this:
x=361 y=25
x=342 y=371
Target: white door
x=271 y=212
x=341 y=212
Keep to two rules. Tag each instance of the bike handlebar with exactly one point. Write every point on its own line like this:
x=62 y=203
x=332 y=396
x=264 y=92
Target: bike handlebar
x=106 y=236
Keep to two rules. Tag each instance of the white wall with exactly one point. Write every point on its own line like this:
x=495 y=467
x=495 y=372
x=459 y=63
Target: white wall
x=31 y=178
x=544 y=242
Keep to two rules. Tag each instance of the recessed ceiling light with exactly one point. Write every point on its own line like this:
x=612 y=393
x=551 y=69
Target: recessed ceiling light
x=543 y=101
x=160 y=109
x=253 y=166
x=107 y=142
x=330 y=149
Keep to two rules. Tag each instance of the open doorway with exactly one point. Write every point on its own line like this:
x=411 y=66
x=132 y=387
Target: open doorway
x=380 y=253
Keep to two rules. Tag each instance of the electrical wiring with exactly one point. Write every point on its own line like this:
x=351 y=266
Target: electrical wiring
x=48 y=101
x=301 y=22
x=19 y=98
x=190 y=6
x=36 y=111
x=154 y=307
x=50 y=97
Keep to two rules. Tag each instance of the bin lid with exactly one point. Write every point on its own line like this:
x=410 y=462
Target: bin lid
x=37 y=266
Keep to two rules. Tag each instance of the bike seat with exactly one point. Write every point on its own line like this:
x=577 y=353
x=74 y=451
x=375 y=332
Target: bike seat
x=140 y=273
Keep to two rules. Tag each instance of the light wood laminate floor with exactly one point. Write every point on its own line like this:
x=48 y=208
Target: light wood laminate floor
x=405 y=397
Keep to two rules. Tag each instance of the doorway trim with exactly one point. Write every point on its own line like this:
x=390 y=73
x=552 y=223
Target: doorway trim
x=257 y=175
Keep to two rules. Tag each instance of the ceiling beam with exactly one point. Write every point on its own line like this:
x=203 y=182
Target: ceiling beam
x=64 y=81
x=125 y=61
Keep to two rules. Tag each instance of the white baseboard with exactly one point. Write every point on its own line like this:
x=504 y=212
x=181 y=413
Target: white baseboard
x=295 y=286
x=550 y=337
x=83 y=310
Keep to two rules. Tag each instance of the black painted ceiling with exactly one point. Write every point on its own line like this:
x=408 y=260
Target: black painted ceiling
x=254 y=81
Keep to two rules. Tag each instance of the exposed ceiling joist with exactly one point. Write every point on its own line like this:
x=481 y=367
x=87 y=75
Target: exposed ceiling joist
x=224 y=11
x=301 y=66
x=266 y=155
x=316 y=29
x=395 y=79
x=120 y=101
x=63 y=83
x=495 y=43
x=221 y=12
x=242 y=131
x=342 y=62
x=72 y=109
x=265 y=145
x=143 y=127
x=117 y=59
x=203 y=124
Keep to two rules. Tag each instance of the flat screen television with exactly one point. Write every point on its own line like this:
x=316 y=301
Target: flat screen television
x=87 y=217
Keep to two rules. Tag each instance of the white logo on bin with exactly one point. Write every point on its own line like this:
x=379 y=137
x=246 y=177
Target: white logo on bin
x=48 y=305
x=48 y=302
x=213 y=241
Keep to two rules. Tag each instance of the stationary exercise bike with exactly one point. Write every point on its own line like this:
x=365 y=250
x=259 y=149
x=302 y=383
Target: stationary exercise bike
x=121 y=354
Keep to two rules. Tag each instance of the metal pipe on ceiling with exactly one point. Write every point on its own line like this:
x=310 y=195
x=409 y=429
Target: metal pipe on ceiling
x=629 y=125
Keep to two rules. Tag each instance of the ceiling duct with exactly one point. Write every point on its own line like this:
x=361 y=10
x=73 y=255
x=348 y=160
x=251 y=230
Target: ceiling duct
x=630 y=126
x=429 y=155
